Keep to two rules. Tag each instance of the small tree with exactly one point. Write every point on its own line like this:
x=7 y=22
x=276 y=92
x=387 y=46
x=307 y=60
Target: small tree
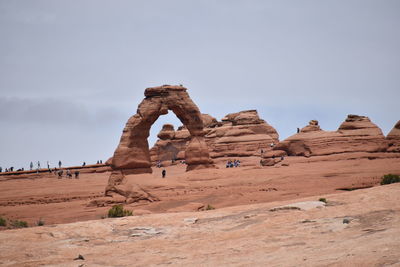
x=3 y=221
x=19 y=224
x=390 y=179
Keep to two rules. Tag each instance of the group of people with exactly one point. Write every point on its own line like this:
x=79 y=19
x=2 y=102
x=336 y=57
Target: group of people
x=68 y=174
x=235 y=163
x=31 y=165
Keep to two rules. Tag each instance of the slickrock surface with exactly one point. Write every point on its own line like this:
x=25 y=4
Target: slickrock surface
x=355 y=134
x=359 y=228
x=44 y=196
x=237 y=135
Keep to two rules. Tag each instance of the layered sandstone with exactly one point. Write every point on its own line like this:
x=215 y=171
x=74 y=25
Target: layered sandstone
x=393 y=139
x=132 y=155
x=355 y=134
x=238 y=134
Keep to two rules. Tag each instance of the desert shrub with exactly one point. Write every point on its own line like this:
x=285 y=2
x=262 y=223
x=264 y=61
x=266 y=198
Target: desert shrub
x=390 y=179
x=40 y=222
x=323 y=200
x=209 y=207
x=19 y=224
x=3 y=221
x=118 y=211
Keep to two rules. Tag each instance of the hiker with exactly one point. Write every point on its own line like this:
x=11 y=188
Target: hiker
x=31 y=165
x=69 y=175
x=76 y=174
x=298 y=130
x=84 y=164
x=38 y=165
x=11 y=169
x=59 y=164
x=60 y=173
x=1 y=169
x=48 y=165
x=101 y=161
x=164 y=172
x=97 y=162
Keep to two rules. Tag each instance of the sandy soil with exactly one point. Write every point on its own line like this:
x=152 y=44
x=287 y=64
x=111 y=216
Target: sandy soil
x=34 y=197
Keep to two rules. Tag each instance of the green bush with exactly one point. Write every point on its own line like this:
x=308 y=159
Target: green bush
x=19 y=224
x=118 y=211
x=3 y=221
x=390 y=179
x=323 y=200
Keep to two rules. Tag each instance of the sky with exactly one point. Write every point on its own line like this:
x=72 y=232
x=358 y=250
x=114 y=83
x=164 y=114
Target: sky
x=73 y=72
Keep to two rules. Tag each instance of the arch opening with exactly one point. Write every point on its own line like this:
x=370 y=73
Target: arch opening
x=132 y=154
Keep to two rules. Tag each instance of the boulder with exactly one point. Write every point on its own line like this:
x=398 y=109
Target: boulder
x=167 y=132
x=311 y=127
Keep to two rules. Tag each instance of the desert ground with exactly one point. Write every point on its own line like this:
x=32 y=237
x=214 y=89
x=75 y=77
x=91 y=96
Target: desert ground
x=43 y=196
x=240 y=231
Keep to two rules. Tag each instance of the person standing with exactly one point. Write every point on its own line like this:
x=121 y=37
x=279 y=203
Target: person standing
x=1 y=169
x=59 y=164
x=31 y=165
x=163 y=173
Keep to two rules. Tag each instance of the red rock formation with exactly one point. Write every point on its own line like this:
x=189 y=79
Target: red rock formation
x=355 y=134
x=239 y=134
x=311 y=127
x=393 y=139
x=132 y=154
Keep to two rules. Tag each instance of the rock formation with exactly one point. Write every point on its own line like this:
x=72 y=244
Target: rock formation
x=393 y=139
x=355 y=134
x=311 y=127
x=238 y=134
x=132 y=154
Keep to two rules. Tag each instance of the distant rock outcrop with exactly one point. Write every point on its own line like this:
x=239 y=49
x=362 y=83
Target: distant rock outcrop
x=311 y=127
x=238 y=134
x=355 y=134
x=393 y=139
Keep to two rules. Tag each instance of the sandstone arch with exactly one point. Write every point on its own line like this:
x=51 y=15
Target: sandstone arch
x=132 y=154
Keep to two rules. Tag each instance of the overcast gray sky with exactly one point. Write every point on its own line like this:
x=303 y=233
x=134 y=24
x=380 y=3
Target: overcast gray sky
x=73 y=72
